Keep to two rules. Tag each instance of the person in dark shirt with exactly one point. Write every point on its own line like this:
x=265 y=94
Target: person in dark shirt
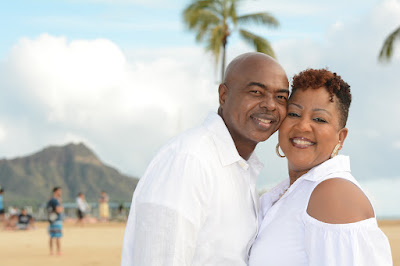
x=55 y=216
x=25 y=220
x=2 y=211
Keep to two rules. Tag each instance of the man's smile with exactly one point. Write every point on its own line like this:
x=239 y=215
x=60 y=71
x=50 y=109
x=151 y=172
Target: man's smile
x=263 y=121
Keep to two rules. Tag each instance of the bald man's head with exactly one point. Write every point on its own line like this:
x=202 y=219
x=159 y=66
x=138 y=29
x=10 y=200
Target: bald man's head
x=249 y=61
x=253 y=99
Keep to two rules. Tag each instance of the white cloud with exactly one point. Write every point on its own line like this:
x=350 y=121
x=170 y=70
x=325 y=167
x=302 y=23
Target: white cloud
x=3 y=133
x=386 y=15
x=338 y=25
x=81 y=80
x=125 y=108
x=396 y=144
x=68 y=78
x=315 y=8
x=284 y=8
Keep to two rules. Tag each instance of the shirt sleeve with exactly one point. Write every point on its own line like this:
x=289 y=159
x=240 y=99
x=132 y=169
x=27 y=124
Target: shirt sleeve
x=56 y=203
x=163 y=237
x=53 y=204
x=353 y=244
x=168 y=211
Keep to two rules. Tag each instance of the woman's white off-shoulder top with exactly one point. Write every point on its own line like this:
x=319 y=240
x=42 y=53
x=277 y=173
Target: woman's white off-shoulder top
x=288 y=236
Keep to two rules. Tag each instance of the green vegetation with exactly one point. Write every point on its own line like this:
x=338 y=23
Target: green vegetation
x=215 y=20
x=387 y=48
x=30 y=180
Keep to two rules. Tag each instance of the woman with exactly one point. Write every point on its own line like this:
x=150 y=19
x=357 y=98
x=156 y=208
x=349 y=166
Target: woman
x=320 y=215
x=104 y=212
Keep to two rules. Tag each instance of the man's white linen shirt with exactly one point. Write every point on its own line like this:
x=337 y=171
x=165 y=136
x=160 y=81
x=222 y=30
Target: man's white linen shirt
x=196 y=204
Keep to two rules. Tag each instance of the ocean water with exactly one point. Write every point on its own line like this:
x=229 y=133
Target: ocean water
x=385 y=196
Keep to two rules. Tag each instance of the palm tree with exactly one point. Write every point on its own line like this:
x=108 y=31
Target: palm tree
x=215 y=20
x=387 y=48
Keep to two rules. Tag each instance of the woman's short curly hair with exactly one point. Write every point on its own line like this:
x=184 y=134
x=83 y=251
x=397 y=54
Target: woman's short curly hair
x=333 y=83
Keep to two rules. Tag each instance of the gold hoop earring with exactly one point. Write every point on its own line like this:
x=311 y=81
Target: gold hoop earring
x=335 y=150
x=277 y=151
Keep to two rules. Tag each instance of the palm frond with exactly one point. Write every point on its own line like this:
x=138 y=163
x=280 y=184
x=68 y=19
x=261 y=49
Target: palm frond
x=202 y=31
x=262 y=18
x=218 y=6
x=262 y=45
x=387 y=48
x=232 y=12
x=198 y=5
x=193 y=18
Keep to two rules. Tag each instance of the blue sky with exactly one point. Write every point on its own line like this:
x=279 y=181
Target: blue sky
x=124 y=76
x=146 y=23
x=126 y=23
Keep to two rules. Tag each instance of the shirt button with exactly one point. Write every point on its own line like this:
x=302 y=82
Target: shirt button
x=243 y=165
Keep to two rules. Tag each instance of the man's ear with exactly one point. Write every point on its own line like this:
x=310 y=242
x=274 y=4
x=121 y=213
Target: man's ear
x=223 y=93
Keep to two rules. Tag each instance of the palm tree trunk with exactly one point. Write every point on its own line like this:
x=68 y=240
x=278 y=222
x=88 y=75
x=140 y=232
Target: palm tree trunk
x=223 y=61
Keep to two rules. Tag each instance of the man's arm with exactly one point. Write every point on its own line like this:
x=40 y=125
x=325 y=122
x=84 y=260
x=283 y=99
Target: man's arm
x=163 y=236
x=167 y=214
x=59 y=208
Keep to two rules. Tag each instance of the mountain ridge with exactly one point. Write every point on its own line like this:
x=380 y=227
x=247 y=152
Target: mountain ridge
x=28 y=180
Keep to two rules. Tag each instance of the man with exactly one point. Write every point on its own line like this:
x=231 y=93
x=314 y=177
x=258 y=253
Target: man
x=197 y=203
x=82 y=208
x=25 y=220
x=55 y=211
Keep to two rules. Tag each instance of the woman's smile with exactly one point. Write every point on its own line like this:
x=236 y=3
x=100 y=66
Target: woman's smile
x=301 y=143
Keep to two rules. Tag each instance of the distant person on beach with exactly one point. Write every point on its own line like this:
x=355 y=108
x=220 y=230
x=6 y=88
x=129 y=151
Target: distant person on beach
x=55 y=211
x=13 y=210
x=2 y=209
x=82 y=208
x=197 y=203
x=319 y=215
x=104 y=211
x=121 y=209
x=121 y=213
x=25 y=220
x=11 y=223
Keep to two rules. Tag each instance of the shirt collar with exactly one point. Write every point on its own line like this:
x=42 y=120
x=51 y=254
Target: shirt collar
x=226 y=148
x=256 y=163
x=337 y=164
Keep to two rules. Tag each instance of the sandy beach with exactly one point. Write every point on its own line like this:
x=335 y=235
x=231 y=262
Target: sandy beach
x=98 y=244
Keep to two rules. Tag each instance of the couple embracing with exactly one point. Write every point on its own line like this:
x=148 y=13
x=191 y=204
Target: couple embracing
x=197 y=203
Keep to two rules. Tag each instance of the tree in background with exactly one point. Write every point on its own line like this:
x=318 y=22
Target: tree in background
x=213 y=21
x=387 y=48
